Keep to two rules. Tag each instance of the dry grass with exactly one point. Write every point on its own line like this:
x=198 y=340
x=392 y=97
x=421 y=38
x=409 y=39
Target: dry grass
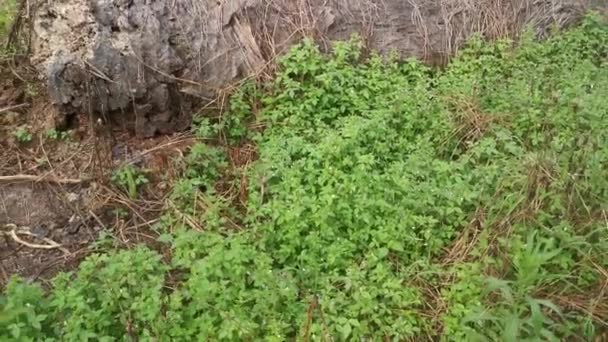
x=460 y=250
x=493 y=19
x=591 y=302
x=470 y=121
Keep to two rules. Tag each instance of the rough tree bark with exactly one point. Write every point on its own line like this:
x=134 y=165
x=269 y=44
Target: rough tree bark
x=152 y=60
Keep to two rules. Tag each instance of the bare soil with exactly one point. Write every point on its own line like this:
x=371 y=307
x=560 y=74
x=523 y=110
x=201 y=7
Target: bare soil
x=56 y=192
x=52 y=212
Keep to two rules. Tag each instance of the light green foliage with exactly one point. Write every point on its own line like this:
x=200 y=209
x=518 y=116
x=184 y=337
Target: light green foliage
x=231 y=292
x=388 y=202
x=463 y=299
x=195 y=194
x=23 y=312
x=539 y=163
x=23 y=134
x=205 y=163
x=234 y=124
x=8 y=9
x=111 y=296
x=55 y=134
x=204 y=129
x=130 y=178
x=356 y=190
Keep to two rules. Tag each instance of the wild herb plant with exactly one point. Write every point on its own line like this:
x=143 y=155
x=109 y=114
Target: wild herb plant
x=130 y=178
x=23 y=134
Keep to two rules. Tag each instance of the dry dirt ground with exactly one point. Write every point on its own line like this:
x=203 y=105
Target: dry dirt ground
x=55 y=194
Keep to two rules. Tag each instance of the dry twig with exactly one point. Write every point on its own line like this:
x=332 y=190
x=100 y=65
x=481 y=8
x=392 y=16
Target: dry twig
x=15 y=107
x=37 y=179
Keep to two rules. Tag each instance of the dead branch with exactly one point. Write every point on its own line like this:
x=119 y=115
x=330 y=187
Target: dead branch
x=38 y=179
x=10 y=108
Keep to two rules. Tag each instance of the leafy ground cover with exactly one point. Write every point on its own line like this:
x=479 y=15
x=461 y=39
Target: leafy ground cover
x=7 y=12
x=383 y=201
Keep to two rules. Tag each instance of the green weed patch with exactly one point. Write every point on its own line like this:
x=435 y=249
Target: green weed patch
x=387 y=201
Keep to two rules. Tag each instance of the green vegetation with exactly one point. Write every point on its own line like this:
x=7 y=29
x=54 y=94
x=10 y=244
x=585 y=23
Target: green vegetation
x=130 y=178
x=55 y=134
x=8 y=9
x=389 y=202
x=23 y=134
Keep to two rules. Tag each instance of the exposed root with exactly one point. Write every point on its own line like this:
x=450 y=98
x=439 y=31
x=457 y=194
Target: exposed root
x=15 y=232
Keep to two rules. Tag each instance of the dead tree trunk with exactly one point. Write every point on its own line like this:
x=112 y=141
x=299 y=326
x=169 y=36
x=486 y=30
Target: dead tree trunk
x=148 y=62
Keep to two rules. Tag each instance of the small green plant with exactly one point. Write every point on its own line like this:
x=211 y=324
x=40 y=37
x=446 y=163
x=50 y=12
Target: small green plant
x=130 y=178
x=120 y=213
x=235 y=123
x=54 y=134
x=204 y=129
x=23 y=312
x=23 y=134
x=105 y=241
